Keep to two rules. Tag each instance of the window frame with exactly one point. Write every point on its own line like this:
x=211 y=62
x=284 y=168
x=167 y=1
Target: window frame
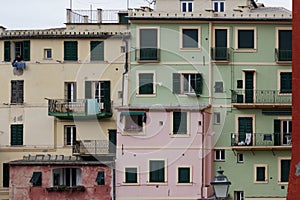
x=138 y=83
x=181 y=47
x=165 y=172
x=187 y=134
x=280 y=93
x=190 y=175
x=102 y=179
x=138 y=44
x=279 y=170
x=239 y=195
x=99 y=57
x=62 y=175
x=217 y=118
x=265 y=166
x=137 y=175
x=178 y=85
x=39 y=182
x=219 y=155
x=73 y=91
x=277 y=29
x=254 y=49
x=17 y=126
x=74 y=52
x=218 y=2
x=123 y=119
x=46 y=54
x=238 y=158
x=19 y=89
x=73 y=140
x=186 y=3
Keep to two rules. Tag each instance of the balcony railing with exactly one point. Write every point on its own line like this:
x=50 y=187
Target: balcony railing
x=261 y=139
x=220 y=54
x=283 y=55
x=94 y=147
x=148 y=55
x=80 y=108
x=261 y=98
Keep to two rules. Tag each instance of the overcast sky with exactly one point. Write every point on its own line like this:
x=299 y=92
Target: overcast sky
x=42 y=14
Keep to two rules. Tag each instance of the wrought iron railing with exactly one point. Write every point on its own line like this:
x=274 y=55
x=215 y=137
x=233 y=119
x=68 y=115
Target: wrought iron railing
x=261 y=139
x=148 y=54
x=220 y=54
x=283 y=55
x=260 y=97
x=94 y=147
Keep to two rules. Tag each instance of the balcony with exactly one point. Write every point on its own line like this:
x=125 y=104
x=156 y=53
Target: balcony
x=283 y=55
x=220 y=54
x=148 y=55
x=261 y=141
x=260 y=99
x=79 y=109
x=94 y=147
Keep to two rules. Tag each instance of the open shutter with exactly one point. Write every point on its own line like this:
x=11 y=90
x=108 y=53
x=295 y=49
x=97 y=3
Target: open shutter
x=26 y=50
x=176 y=83
x=199 y=84
x=74 y=135
x=106 y=91
x=276 y=132
x=7 y=56
x=88 y=89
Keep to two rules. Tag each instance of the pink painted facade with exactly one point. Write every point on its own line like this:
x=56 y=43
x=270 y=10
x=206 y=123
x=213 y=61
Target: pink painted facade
x=157 y=143
x=21 y=188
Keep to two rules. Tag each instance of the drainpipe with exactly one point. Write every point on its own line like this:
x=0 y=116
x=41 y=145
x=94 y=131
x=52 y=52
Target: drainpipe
x=203 y=157
x=125 y=69
x=210 y=64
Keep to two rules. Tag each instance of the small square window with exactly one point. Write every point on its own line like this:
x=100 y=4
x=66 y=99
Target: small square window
x=48 y=53
x=240 y=158
x=190 y=38
x=261 y=173
x=219 y=87
x=100 y=179
x=246 y=39
x=220 y=155
x=146 y=84
x=186 y=6
x=217 y=118
x=184 y=175
x=36 y=179
x=219 y=6
x=239 y=84
x=131 y=175
x=238 y=195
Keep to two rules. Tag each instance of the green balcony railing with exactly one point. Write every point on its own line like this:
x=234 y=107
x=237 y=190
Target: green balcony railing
x=261 y=139
x=220 y=54
x=148 y=54
x=283 y=55
x=80 y=108
x=260 y=97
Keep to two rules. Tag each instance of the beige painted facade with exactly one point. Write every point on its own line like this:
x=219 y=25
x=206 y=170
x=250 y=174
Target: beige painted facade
x=45 y=79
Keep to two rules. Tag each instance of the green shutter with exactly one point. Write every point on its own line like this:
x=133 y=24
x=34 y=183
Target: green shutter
x=16 y=134
x=112 y=135
x=97 y=50
x=5 y=180
x=70 y=51
x=146 y=83
x=285 y=170
x=157 y=171
x=245 y=126
x=199 y=84
x=184 y=175
x=7 y=56
x=88 y=89
x=176 y=83
x=277 y=132
x=286 y=82
x=130 y=175
x=36 y=179
x=26 y=50
x=179 y=123
x=260 y=174
x=106 y=91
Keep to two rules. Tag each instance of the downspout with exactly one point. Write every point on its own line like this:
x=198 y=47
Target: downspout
x=125 y=69
x=203 y=157
x=210 y=64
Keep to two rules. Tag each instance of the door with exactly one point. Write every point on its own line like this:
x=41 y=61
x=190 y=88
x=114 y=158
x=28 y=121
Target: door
x=245 y=128
x=249 y=86
x=221 y=44
x=70 y=93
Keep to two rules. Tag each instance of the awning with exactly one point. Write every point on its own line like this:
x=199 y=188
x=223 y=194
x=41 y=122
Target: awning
x=133 y=113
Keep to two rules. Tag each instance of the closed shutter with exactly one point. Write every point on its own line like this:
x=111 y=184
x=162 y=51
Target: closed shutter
x=246 y=39
x=88 y=89
x=285 y=170
x=7 y=55
x=277 y=132
x=146 y=83
x=26 y=50
x=106 y=93
x=97 y=50
x=179 y=123
x=16 y=134
x=5 y=174
x=176 y=83
x=17 y=91
x=260 y=174
x=131 y=175
x=184 y=175
x=286 y=82
x=199 y=84
x=157 y=171
x=70 y=51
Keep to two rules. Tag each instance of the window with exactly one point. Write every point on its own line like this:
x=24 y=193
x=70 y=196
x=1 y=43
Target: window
x=66 y=176
x=99 y=90
x=285 y=82
x=47 y=53
x=246 y=39
x=7 y=55
x=70 y=135
x=184 y=175
x=156 y=171
x=219 y=6
x=260 y=173
x=282 y=132
x=134 y=121
x=5 y=175
x=180 y=123
x=70 y=51
x=148 y=45
x=284 y=169
x=187 y=83
x=219 y=87
x=238 y=195
x=131 y=175
x=100 y=179
x=70 y=91
x=217 y=118
x=190 y=38
x=284 y=52
x=186 y=6
x=97 y=50
x=36 y=179
x=17 y=92
x=146 y=83
x=220 y=155
x=240 y=158
x=20 y=47
x=16 y=131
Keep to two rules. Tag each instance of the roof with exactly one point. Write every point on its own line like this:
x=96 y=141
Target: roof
x=271 y=10
x=164 y=107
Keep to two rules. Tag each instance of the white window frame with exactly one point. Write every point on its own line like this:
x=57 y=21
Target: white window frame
x=191 y=174
x=182 y=48
x=123 y=125
x=218 y=152
x=71 y=136
x=138 y=82
x=239 y=160
x=219 y=2
x=266 y=173
x=187 y=125
x=63 y=178
x=73 y=90
x=237 y=36
x=217 y=118
x=187 y=6
x=238 y=195
x=137 y=174
x=46 y=50
x=182 y=80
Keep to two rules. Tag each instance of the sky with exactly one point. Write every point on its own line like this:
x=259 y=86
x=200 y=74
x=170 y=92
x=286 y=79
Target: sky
x=43 y=14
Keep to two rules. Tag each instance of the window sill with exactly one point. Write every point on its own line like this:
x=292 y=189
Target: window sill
x=184 y=184
x=283 y=183
x=146 y=95
x=130 y=184
x=157 y=183
x=284 y=62
x=245 y=50
x=190 y=49
x=284 y=94
x=219 y=160
x=178 y=135
x=261 y=182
